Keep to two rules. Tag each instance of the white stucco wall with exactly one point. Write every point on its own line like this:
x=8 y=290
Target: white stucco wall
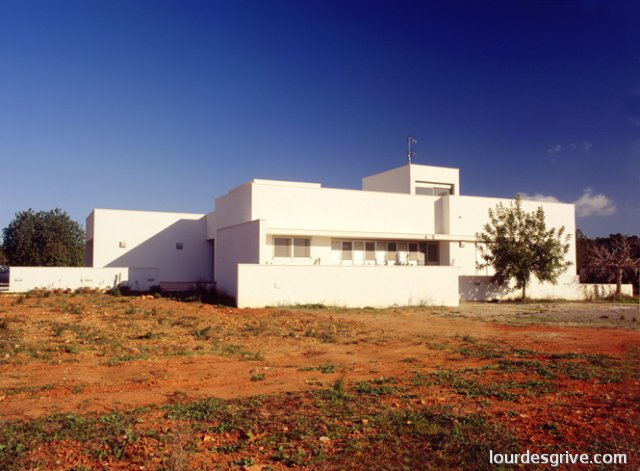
x=27 y=278
x=465 y=256
x=211 y=225
x=89 y=226
x=150 y=240
x=397 y=180
x=468 y=215
x=333 y=211
x=356 y=286
x=430 y=174
x=231 y=209
x=403 y=179
x=440 y=214
x=242 y=243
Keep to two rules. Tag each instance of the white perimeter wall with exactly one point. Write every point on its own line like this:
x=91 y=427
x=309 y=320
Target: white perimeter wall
x=480 y=288
x=356 y=286
x=236 y=244
x=150 y=238
x=28 y=278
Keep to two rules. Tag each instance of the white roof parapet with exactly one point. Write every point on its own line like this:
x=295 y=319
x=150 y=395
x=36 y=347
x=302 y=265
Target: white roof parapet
x=287 y=183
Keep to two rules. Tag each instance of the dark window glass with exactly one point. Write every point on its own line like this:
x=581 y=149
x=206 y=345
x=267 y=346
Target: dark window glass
x=301 y=248
x=282 y=247
x=347 y=251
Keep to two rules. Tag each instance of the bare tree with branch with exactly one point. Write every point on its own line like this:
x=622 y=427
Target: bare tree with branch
x=612 y=260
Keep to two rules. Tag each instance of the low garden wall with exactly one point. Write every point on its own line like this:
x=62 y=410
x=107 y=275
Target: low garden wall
x=23 y=279
x=480 y=288
x=348 y=286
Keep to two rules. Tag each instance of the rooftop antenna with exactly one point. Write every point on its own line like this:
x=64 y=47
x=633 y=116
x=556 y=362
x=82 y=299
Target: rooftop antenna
x=410 y=153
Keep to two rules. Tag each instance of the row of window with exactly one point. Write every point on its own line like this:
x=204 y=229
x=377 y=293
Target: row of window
x=419 y=252
x=292 y=247
x=401 y=252
x=433 y=189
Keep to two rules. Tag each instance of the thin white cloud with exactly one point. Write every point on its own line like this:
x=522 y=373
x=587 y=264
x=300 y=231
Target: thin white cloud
x=594 y=205
x=540 y=197
x=588 y=204
x=558 y=148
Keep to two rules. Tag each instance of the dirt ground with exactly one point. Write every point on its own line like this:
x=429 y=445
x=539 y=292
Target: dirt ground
x=90 y=381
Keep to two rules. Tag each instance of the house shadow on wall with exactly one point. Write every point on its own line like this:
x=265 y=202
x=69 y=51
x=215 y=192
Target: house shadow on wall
x=178 y=254
x=480 y=288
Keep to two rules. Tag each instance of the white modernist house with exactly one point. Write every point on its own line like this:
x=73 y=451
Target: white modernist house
x=406 y=238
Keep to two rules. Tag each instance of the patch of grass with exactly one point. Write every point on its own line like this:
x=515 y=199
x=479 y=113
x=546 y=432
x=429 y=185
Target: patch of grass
x=468 y=338
x=33 y=390
x=340 y=386
x=480 y=350
x=326 y=331
x=71 y=348
x=577 y=366
x=462 y=384
x=58 y=329
x=436 y=345
x=400 y=439
x=378 y=387
x=125 y=358
x=326 y=368
x=234 y=350
x=107 y=437
x=200 y=410
x=326 y=336
x=257 y=377
x=74 y=309
x=530 y=366
x=410 y=360
x=204 y=333
x=147 y=336
x=244 y=462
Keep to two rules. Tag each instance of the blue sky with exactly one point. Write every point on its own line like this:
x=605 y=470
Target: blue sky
x=164 y=105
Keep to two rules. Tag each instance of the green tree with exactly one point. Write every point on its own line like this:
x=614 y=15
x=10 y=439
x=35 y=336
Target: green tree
x=518 y=244
x=46 y=238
